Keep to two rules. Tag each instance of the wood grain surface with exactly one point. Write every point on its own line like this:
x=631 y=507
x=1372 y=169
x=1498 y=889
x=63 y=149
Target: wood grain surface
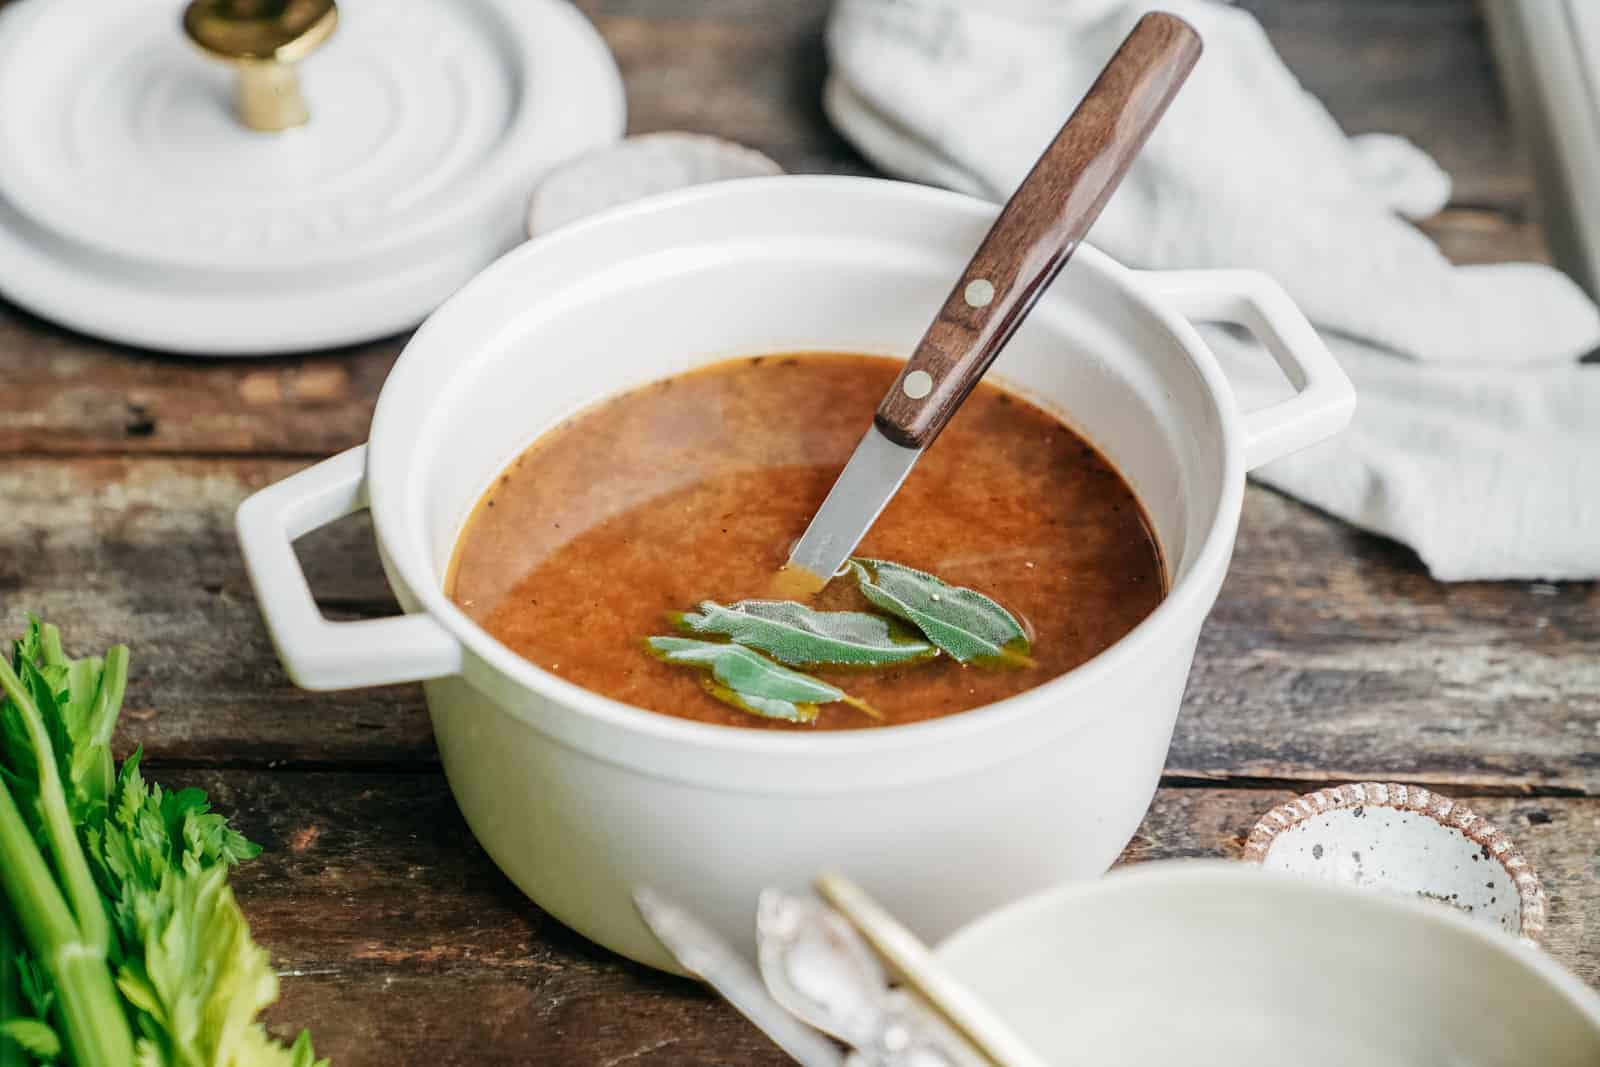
x=1330 y=656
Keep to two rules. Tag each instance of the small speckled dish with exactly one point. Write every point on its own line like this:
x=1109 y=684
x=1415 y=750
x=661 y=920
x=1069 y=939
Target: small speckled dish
x=1407 y=840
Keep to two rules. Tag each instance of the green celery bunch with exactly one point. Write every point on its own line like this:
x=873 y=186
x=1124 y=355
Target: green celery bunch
x=121 y=944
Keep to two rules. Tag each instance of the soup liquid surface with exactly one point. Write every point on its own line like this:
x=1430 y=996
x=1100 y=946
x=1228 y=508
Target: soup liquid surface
x=695 y=487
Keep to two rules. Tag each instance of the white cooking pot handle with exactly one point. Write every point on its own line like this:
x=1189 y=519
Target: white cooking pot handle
x=319 y=654
x=1324 y=398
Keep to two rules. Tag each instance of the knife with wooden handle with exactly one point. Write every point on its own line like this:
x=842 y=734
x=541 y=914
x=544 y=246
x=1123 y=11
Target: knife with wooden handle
x=1036 y=233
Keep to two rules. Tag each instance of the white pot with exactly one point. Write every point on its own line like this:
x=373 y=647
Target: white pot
x=1222 y=963
x=579 y=798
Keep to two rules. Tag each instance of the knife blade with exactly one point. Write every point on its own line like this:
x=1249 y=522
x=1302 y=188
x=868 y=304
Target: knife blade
x=1033 y=237
x=705 y=954
x=858 y=497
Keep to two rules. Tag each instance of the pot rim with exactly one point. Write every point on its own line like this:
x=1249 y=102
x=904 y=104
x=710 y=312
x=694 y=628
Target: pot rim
x=404 y=546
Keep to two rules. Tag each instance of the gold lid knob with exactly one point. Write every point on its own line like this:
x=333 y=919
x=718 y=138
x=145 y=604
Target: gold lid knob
x=263 y=39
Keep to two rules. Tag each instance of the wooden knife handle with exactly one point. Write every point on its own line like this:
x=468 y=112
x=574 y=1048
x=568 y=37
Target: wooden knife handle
x=1040 y=227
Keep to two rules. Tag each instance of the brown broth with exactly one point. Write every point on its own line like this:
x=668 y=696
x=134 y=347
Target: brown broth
x=695 y=487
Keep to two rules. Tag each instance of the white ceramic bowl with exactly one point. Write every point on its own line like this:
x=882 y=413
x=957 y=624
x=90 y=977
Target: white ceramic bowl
x=1220 y=963
x=580 y=798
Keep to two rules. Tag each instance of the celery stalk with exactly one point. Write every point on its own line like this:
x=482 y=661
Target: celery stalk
x=95 y=1028
x=128 y=946
x=70 y=862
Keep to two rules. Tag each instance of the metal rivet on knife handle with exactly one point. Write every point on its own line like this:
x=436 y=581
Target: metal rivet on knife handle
x=917 y=384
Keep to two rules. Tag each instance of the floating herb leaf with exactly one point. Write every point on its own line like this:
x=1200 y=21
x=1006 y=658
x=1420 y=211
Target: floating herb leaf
x=795 y=634
x=752 y=682
x=766 y=707
x=965 y=623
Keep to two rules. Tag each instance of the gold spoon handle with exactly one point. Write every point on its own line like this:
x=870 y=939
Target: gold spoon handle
x=909 y=961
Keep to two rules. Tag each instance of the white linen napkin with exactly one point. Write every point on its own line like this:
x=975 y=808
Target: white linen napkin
x=1476 y=438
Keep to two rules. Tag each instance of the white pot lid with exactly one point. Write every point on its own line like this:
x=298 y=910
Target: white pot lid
x=134 y=205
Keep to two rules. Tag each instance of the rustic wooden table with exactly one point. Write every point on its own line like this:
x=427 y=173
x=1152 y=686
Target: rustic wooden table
x=1331 y=657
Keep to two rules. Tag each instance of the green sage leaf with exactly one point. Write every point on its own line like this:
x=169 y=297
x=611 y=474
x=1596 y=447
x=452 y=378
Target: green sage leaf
x=750 y=681
x=963 y=622
x=766 y=707
x=801 y=637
